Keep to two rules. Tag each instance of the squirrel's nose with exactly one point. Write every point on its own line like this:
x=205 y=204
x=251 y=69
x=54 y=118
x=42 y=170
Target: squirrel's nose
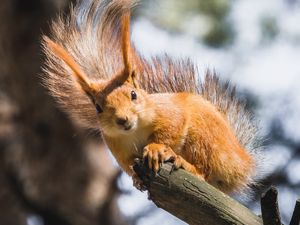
x=121 y=121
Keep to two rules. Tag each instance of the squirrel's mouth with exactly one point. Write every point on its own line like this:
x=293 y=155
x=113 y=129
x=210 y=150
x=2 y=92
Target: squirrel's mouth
x=127 y=127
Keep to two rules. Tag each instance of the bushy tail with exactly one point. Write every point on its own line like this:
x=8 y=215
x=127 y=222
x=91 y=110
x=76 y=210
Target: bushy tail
x=223 y=96
x=242 y=122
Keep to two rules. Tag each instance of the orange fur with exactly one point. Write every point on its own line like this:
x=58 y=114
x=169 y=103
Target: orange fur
x=198 y=126
x=126 y=43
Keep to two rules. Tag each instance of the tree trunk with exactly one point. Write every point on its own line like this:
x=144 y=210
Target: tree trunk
x=48 y=167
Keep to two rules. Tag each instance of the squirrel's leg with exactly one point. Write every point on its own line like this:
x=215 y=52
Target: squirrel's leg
x=156 y=154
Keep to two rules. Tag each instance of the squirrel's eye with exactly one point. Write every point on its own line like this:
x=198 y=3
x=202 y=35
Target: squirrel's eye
x=133 y=95
x=98 y=109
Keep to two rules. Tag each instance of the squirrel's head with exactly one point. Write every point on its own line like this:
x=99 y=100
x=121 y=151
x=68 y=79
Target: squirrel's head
x=120 y=105
x=121 y=109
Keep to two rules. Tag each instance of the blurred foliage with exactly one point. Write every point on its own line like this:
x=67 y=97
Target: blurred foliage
x=269 y=29
x=220 y=35
x=206 y=20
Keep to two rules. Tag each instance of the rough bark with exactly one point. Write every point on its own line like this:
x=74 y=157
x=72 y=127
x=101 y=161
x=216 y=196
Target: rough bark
x=296 y=214
x=193 y=201
x=269 y=207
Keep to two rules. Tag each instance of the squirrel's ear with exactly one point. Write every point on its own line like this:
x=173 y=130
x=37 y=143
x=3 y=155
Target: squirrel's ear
x=129 y=73
x=79 y=75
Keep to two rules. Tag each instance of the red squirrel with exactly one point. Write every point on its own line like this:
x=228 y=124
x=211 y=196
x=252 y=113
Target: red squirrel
x=154 y=109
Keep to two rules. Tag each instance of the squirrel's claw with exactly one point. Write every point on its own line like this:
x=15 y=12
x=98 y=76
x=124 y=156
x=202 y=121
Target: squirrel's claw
x=177 y=163
x=156 y=154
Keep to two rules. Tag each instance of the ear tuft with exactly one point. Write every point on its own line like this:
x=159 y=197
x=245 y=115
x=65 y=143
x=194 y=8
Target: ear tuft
x=128 y=74
x=62 y=54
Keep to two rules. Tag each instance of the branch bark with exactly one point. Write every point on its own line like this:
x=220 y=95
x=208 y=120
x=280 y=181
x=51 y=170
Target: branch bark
x=191 y=200
x=269 y=207
x=296 y=214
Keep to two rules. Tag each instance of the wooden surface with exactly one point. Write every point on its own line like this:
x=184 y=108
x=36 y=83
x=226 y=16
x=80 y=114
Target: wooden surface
x=269 y=207
x=296 y=214
x=191 y=200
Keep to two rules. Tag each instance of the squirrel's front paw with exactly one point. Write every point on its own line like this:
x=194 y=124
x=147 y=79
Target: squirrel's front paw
x=156 y=154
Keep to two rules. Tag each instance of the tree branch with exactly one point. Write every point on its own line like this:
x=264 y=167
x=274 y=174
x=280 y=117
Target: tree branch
x=269 y=207
x=192 y=200
x=296 y=214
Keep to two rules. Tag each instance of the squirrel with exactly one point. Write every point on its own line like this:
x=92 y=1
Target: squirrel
x=157 y=109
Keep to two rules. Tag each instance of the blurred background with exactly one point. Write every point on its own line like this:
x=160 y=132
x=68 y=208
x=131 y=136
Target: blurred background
x=53 y=173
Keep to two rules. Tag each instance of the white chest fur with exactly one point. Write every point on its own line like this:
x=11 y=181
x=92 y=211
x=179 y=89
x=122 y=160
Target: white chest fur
x=126 y=147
